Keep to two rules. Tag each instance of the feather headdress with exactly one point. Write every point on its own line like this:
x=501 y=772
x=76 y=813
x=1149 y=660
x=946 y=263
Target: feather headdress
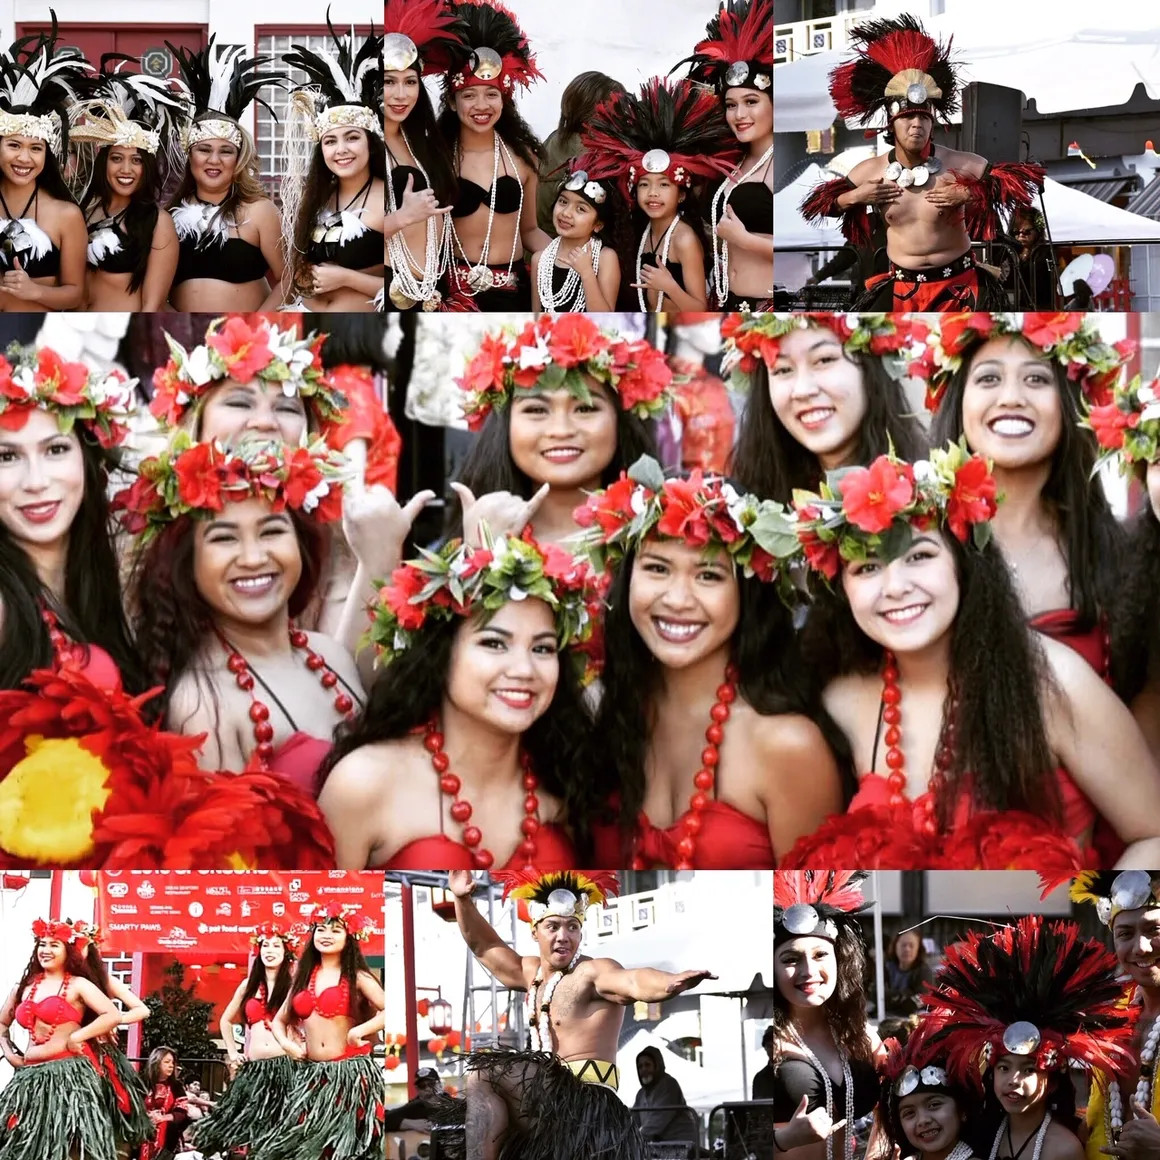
x=897 y=68
x=672 y=127
x=816 y=903
x=1034 y=988
x=222 y=82
x=493 y=51
x=1112 y=893
x=421 y=34
x=737 y=51
x=37 y=85
x=562 y=893
x=914 y=1068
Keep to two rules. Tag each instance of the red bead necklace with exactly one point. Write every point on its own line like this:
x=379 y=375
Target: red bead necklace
x=706 y=777
x=895 y=759
x=260 y=712
x=31 y=1000
x=461 y=809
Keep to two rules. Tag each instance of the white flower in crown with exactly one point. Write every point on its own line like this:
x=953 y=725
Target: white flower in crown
x=515 y=592
x=1150 y=412
x=1146 y=394
x=924 y=471
x=637 y=503
x=198 y=367
x=315 y=495
x=25 y=378
x=115 y=392
x=537 y=356
x=737 y=505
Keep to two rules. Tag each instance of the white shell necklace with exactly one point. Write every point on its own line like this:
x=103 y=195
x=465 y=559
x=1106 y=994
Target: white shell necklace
x=1144 y=1086
x=1040 y=1136
x=479 y=276
x=961 y=1151
x=919 y=175
x=573 y=287
x=539 y=1010
x=406 y=288
x=721 y=263
x=662 y=260
x=828 y=1084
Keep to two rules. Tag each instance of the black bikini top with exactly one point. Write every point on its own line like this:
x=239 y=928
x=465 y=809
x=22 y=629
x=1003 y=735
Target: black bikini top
x=361 y=253
x=126 y=258
x=399 y=175
x=235 y=260
x=752 y=202
x=18 y=236
x=471 y=196
x=650 y=259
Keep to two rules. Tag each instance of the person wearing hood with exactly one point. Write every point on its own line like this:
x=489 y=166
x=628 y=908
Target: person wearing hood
x=657 y=1104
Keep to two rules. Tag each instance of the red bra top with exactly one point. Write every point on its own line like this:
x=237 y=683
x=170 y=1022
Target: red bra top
x=728 y=840
x=439 y=852
x=1079 y=814
x=1060 y=625
x=330 y=1004
x=255 y=1010
x=298 y=759
x=55 y=1010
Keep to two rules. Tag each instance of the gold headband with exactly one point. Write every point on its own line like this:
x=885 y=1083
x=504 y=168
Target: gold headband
x=342 y=116
x=106 y=124
x=213 y=127
x=46 y=127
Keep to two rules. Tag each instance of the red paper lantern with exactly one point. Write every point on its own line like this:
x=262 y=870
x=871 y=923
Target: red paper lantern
x=422 y=1007
x=454 y=1039
x=391 y=1062
x=436 y=1046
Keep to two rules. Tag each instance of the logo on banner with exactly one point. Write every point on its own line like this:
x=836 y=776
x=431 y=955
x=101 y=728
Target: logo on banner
x=178 y=939
x=146 y=889
x=196 y=910
x=118 y=889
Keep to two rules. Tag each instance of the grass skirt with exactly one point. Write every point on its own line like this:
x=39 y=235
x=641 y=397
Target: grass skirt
x=253 y=1105
x=49 y=1108
x=568 y=1119
x=334 y=1112
x=131 y=1127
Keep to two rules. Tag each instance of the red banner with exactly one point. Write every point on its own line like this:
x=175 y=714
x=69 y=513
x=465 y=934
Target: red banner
x=213 y=911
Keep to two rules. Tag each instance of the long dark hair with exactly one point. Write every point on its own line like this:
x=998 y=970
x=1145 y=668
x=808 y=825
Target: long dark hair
x=173 y=619
x=429 y=146
x=581 y=95
x=410 y=690
x=75 y=964
x=318 y=190
x=49 y=179
x=489 y=465
x=92 y=613
x=282 y=980
x=513 y=131
x=998 y=674
x=1092 y=539
x=845 y=1009
x=771 y=679
x=771 y=463
x=140 y=218
x=351 y=964
x=1135 y=617
x=151 y=1072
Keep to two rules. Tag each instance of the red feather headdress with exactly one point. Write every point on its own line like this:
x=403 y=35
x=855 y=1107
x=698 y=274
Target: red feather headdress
x=565 y=893
x=493 y=49
x=897 y=68
x=420 y=34
x=816 y=903
x=672 y=127
x=1034 y=988
x=914 y=1067
x=737 y=51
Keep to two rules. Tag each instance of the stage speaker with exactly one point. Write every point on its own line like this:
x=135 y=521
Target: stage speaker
x=992 y=122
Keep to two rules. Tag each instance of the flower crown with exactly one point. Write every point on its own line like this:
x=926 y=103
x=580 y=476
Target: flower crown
x=876 y=510
x=40 y=379
x=557 y=352
x=1070 y=339
x=460 y=580
x=200 y=478
x=753 y=337
x=233 y=349
x=65 y=932
x=700 y=510
x=359 y=925
x=291 y=936
x=1128 y=426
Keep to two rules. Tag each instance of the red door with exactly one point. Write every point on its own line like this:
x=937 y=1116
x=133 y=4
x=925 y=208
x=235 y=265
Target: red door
x=145 y=41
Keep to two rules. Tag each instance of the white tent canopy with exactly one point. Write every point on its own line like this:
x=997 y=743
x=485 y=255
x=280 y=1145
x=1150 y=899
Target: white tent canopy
x=1072 y=216
x=1052 y=52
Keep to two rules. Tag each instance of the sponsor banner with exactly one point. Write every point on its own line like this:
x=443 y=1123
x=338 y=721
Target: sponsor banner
x=214 y=911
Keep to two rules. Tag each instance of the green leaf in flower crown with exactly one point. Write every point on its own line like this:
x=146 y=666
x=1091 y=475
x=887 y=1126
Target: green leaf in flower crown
x=647 y=471
x=577 y=385
x=894 y=542
x=551 y=377
x=774 y=532
x=981 y=534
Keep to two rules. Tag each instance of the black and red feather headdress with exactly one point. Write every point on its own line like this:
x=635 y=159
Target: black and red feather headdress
x=737 y=51
x=421 y=34
x=1035 y=988
x=816 y=903
x=897 y=68
x=916 y=1067
x=493 y=50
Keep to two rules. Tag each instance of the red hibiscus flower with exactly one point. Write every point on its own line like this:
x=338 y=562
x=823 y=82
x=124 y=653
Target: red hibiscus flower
x=244 y=349
x=199 y=481
x=302 y=477
x=487 y=368
x=683 y=517
x=729 y=324
x=13 y=417
x=8 y=389
x=166 y=386
x=137 y=501
x=872 y=496
x=973 y=498
x=1046 y=329
x=957 y=329
x=1110 y=423
x=641 y=373
x=476 y=561
x=575 y=339
x=562 y=568
x=1012 y=840
x=871 y=838
x=611 y=510
x=406 y=583
x=822 y=557
x=62 y=381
